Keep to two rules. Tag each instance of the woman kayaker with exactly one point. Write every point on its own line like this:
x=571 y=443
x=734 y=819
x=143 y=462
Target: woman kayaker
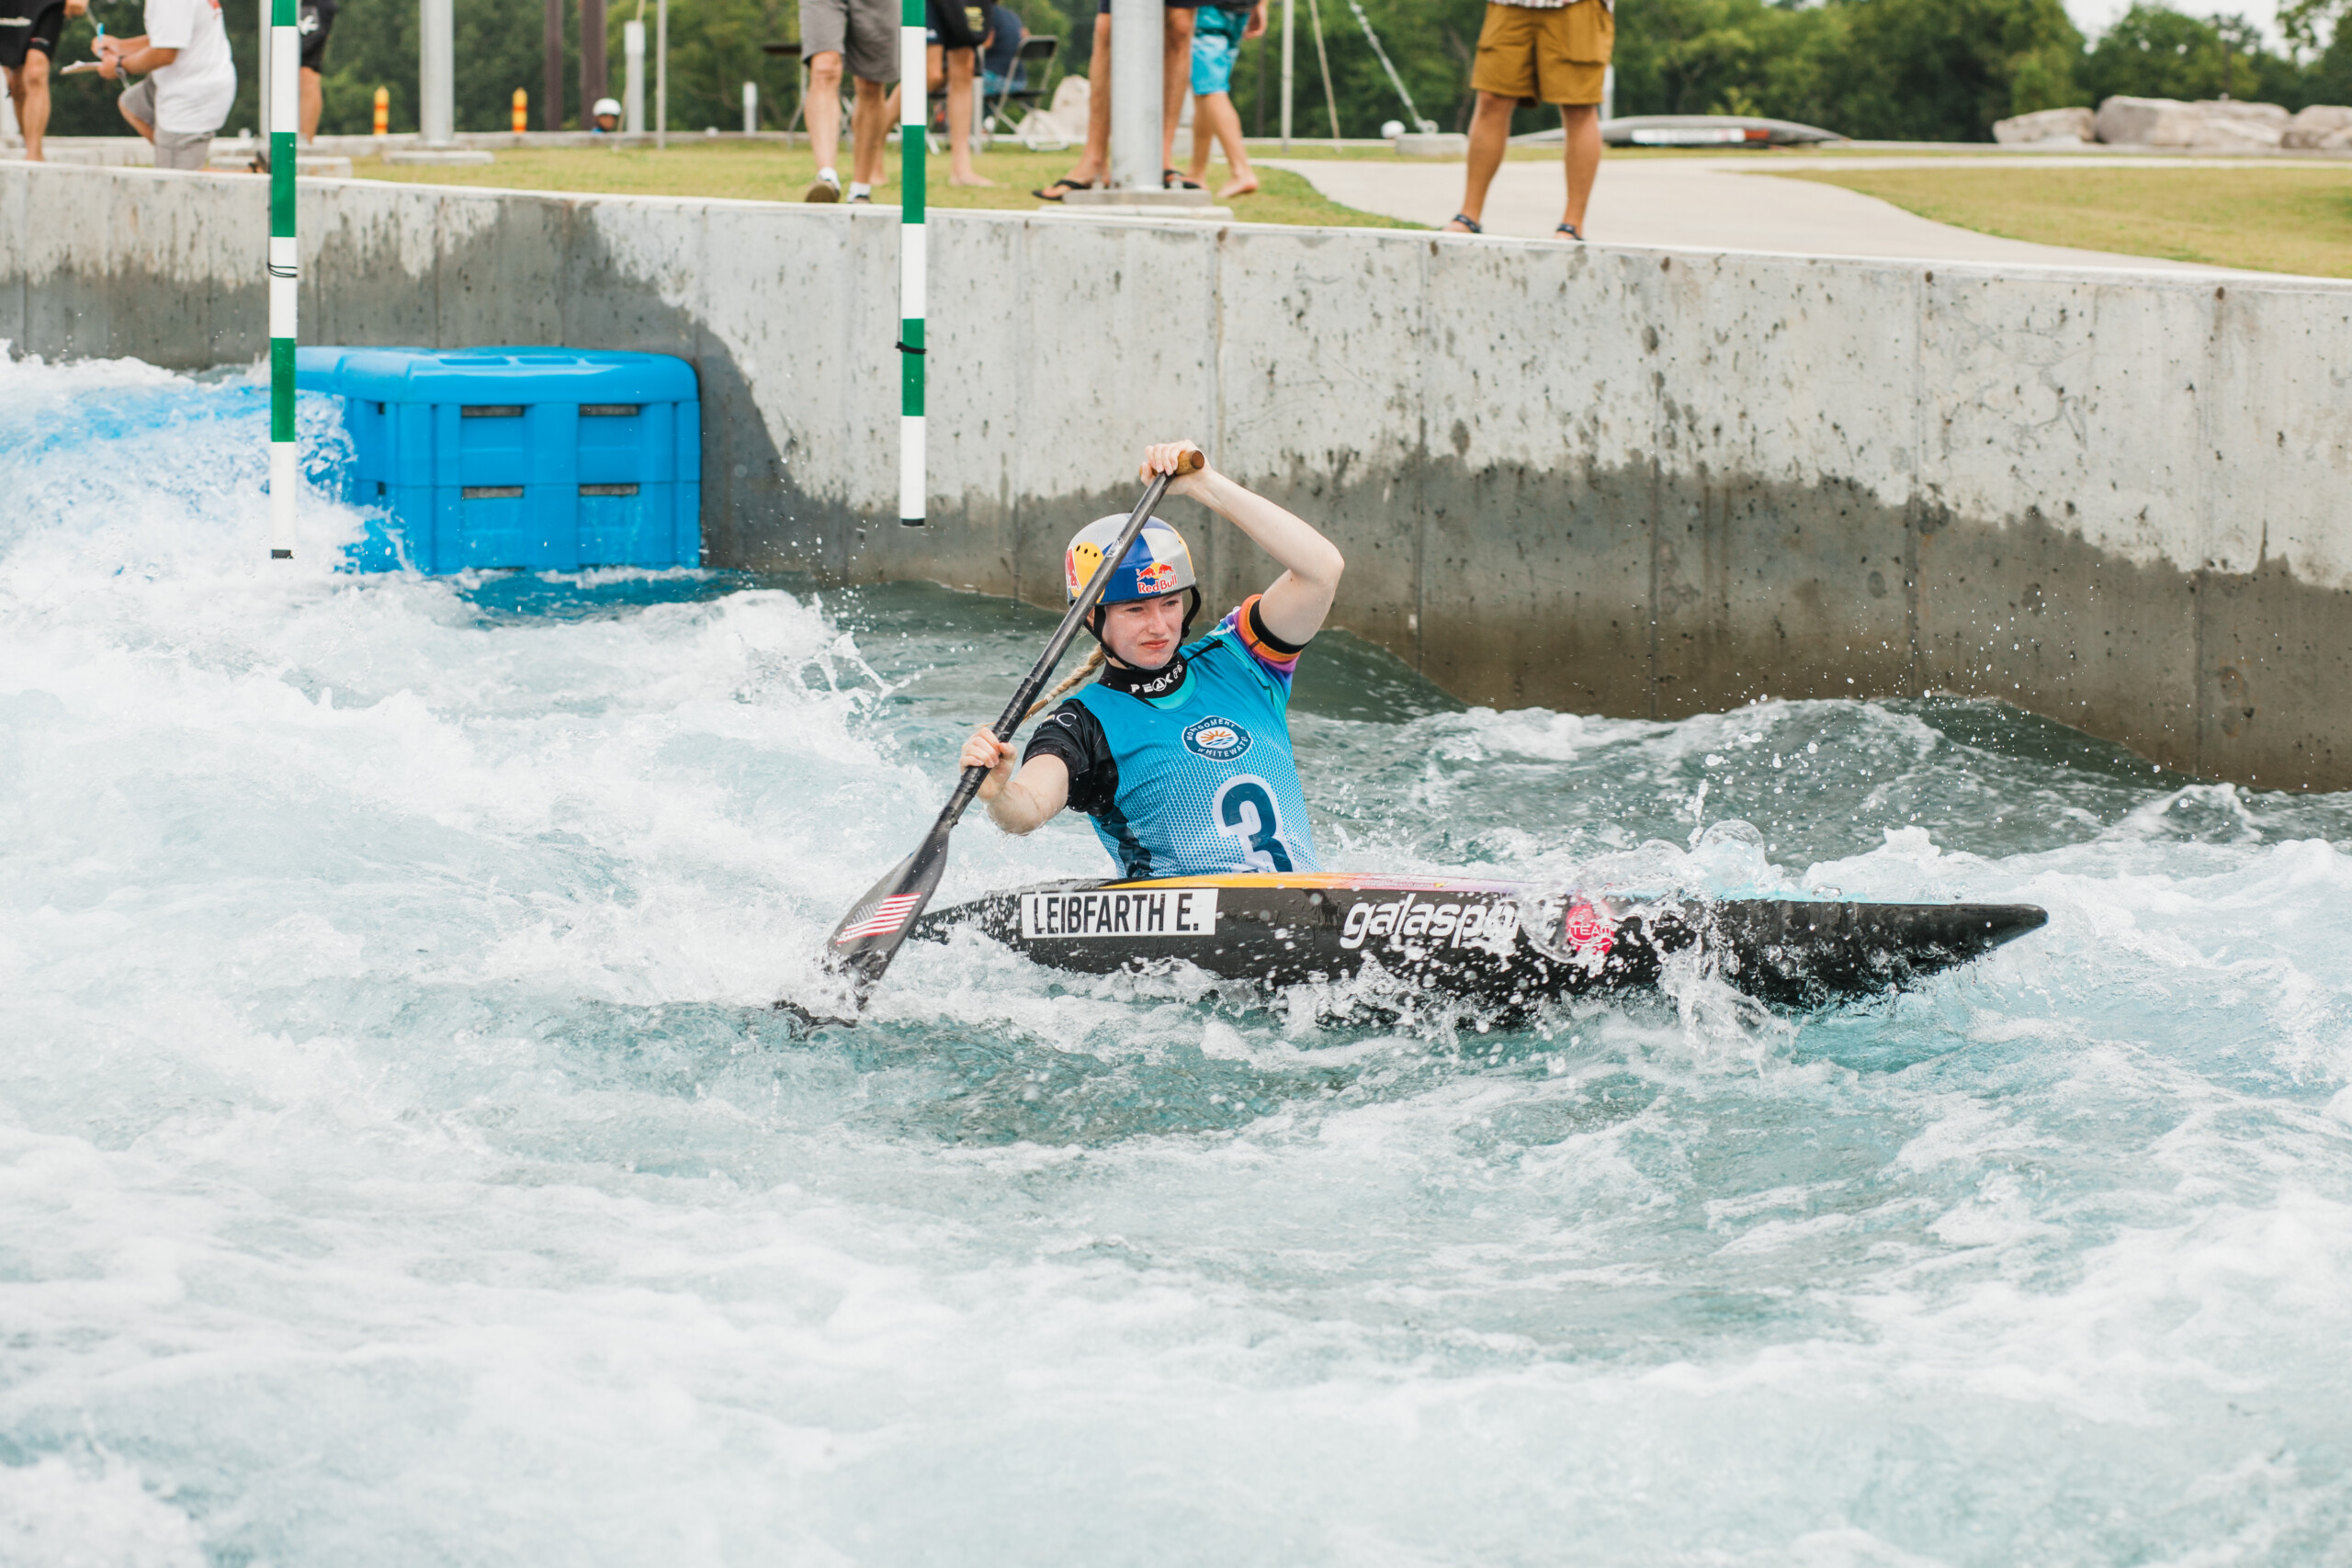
x=1180 y=752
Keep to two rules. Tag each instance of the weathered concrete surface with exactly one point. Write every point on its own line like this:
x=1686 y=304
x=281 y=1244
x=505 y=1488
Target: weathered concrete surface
x=1635 y=481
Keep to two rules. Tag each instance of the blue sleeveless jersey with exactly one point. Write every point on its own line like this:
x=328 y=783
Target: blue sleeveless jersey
x=1206 y=780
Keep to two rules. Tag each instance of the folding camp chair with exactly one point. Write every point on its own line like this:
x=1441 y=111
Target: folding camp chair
x=1025 y=82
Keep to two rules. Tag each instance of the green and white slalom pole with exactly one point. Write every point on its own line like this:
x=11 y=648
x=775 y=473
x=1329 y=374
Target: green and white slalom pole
x=285 y=270
x=914 y=117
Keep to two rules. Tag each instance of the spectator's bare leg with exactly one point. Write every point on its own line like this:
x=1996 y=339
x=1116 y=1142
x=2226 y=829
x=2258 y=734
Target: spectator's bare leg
x=1175 y=76
x=29 y=89
x=1094 y=162
x=313 y=101
x=824 y=108
x=959 y=120
x=1213 y=113
x=869 y=124
x=1490 y=134
x=934 y=61
x=137 y=124
x=1196 y=168
x=1581 y=124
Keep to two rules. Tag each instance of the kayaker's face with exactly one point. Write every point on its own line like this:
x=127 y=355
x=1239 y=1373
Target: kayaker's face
x=1143 y=633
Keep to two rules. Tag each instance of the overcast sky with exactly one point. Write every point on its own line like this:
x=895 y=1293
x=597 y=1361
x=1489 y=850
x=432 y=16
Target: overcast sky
x=2093 y=16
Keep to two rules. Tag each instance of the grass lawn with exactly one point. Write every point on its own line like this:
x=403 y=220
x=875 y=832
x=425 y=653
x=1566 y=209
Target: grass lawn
x=2293 y=218
x=764 y=172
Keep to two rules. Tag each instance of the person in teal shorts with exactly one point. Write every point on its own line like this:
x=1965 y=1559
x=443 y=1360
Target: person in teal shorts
x=1216 y=43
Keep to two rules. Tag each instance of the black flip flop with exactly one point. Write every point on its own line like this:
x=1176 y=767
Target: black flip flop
x=1064 y=187
x=1570 y=231
x=1467 y=222
x=1171 y=180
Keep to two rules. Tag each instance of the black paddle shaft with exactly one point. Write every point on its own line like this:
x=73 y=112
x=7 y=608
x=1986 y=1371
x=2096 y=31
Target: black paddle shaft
x=869 y=936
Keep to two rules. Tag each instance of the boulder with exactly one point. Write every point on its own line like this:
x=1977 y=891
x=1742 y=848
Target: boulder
x=2148 y=122
x=2232 y=126
x=2322 y=128
x=2216 y=125
x=2046 y=125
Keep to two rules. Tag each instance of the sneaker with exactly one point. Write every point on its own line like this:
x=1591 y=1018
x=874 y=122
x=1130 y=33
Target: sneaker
x=823 y=189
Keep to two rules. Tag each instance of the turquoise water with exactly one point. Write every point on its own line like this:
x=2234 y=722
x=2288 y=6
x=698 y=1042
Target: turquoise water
x=398 y=1164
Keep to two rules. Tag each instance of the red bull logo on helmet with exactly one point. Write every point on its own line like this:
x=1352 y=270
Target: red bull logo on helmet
x=1159 y=576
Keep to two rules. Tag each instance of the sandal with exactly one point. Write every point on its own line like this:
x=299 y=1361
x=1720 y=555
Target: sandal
x=1171 y=180
x=1061 y=188
x=1468 y=222
x=1570 y=231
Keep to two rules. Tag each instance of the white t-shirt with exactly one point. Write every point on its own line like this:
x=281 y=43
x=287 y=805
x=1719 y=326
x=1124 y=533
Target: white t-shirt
x=193 y=92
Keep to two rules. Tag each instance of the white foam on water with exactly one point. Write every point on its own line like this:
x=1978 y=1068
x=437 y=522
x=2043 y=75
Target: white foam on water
x=398 y=1163
x=89 y=1512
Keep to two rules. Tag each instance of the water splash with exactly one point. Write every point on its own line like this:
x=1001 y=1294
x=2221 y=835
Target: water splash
x=398 y=1161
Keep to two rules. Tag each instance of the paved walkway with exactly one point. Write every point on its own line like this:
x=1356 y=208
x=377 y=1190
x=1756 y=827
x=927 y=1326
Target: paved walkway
x=1710 y=203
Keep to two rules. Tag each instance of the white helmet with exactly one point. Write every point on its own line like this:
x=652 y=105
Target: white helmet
x=605 y=106
x=1158 y=563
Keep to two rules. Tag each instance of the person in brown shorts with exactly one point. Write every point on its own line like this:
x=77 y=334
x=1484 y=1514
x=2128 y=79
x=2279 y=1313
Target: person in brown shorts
x=1552 y=51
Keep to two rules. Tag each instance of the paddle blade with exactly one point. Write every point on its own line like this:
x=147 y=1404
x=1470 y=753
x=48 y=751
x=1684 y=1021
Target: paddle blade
x=870 y=935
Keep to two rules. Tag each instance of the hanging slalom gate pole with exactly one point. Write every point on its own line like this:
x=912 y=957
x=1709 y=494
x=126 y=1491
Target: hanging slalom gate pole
x=915 y=114
x=284 y=271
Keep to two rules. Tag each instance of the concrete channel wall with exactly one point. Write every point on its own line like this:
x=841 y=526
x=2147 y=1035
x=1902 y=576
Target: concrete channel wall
x=1637 y=482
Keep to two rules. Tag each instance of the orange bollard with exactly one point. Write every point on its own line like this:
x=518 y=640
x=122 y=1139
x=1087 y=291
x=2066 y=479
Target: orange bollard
x=383 y=111
x=522 y=111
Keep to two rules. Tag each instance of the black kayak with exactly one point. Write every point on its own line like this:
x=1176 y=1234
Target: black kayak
x=1500 y=946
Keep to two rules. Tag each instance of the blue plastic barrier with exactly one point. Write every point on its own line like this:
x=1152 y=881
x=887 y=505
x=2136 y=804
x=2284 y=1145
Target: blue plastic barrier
x=544 y=458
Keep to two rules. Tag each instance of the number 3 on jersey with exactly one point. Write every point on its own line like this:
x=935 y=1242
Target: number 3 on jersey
x=1245 y=810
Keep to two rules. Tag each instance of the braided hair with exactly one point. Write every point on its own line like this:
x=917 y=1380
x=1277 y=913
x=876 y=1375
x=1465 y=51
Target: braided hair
x=1077 y=679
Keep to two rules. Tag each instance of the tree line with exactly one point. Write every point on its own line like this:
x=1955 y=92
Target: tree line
x=1921 y=70
x=1926 y=69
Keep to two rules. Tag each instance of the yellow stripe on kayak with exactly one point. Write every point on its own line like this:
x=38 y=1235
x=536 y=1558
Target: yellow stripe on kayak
x=1353 y=882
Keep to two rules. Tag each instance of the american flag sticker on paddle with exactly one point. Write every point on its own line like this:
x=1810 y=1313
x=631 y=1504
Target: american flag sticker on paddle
x=880 y=921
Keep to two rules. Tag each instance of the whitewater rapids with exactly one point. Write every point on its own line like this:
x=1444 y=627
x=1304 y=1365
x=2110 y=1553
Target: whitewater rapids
x=398 y=1164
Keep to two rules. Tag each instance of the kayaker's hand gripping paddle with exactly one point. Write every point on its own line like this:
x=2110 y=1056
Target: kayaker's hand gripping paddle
x=870 y=935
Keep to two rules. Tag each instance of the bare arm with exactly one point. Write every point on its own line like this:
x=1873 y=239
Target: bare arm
x=1294 y=606
x=135 y=55
x=1023 y=802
